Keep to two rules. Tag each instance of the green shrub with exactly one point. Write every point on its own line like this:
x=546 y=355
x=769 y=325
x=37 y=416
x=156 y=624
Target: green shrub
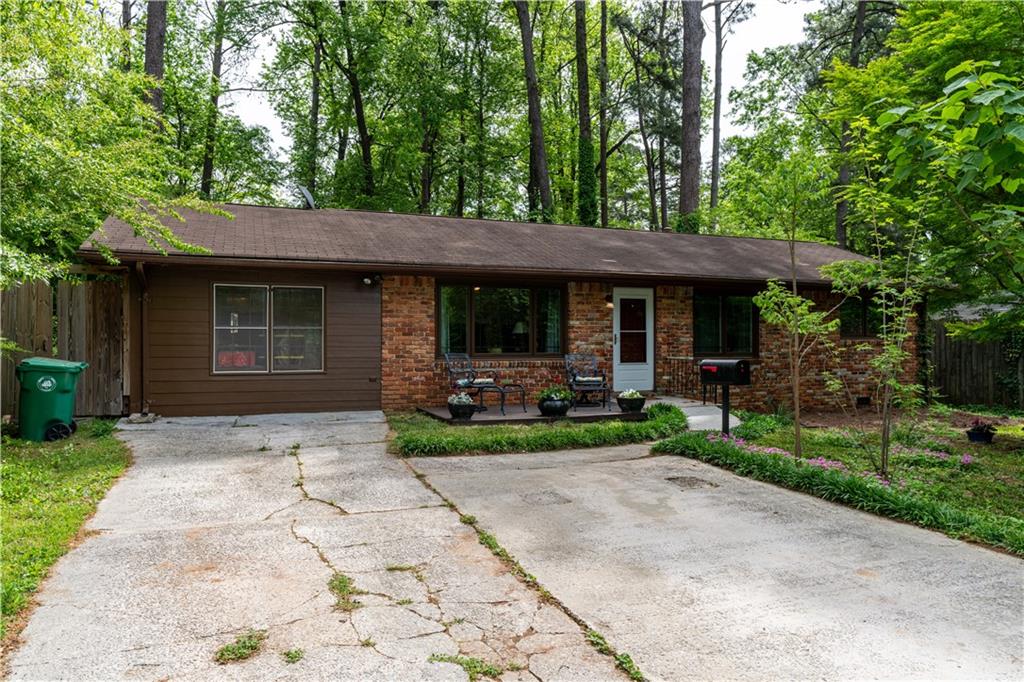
x=755 y=425
x=855 y=491
x=416 y=441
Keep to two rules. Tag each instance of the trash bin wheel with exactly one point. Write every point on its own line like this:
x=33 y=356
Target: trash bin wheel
x=74 y=426
x=57 y=431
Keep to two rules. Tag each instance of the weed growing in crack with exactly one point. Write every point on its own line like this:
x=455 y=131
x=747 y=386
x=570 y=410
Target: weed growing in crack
x=629 y=667
x=245 y=646
x=597 y=640
x=404 y=602
x=474 y=667
x=394 y=568
x=467 y=519
x=515 y=667
x=264 y=448
x=623 y=661
x=344 y=589
x=293 y=655
x=295 y=447
x=367 y=642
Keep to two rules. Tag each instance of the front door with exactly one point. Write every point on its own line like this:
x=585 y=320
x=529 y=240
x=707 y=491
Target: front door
x=633 y=339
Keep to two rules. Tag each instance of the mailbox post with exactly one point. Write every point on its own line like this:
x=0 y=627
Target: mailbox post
x=725 y=373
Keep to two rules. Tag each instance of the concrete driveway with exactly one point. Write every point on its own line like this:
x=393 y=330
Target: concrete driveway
x=700 y=574
x=222 y=525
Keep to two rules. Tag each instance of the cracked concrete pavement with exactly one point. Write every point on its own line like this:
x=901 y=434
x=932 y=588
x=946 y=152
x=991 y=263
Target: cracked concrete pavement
x=700 y=574
x=221 y=525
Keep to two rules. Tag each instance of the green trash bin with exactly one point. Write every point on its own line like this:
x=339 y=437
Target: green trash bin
x=47 y=397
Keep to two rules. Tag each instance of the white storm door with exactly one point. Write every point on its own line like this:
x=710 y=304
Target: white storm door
x=633 y=339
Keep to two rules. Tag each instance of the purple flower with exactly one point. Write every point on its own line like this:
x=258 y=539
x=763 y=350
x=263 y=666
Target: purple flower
x=966 y=460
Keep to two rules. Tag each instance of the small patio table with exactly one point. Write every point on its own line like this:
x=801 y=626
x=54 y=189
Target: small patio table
x=504 y=390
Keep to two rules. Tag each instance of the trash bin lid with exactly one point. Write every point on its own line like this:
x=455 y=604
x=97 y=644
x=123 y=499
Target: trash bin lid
x=52 y=365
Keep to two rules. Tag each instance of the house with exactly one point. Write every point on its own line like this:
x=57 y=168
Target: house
x=318 y=310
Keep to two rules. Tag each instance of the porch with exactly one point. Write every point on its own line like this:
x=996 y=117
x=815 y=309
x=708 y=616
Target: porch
x=514 y=414
x=699 y=416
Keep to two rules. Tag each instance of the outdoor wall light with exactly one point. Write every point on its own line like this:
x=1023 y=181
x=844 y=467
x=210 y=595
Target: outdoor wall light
x=609 y=302
x=372 y=279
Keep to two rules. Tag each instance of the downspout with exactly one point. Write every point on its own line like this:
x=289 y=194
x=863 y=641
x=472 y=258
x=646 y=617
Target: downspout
x=144 y=334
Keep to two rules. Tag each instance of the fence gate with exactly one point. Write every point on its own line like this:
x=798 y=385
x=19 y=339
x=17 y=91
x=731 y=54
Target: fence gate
x=979 y=373
x=74 y=321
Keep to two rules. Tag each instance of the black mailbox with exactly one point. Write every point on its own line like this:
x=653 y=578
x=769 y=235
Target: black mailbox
x=725 y=372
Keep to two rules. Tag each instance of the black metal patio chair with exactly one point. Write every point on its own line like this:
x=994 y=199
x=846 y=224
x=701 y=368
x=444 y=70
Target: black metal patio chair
x=462 y=376
x=585 y=378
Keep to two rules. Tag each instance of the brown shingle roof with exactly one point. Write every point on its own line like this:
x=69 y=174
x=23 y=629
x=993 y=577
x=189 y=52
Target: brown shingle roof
x=405 y=242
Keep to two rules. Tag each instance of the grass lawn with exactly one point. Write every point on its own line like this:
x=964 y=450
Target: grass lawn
x=49 y=490
x=418 y=435
x=937 y=478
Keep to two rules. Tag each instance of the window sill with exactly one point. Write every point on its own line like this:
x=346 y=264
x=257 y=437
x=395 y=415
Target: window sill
x=265 y=373
x=507 y=357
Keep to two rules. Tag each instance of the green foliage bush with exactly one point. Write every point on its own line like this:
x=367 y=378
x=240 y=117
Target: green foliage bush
x=756 y=425
x=855 y=491
x=417 y=438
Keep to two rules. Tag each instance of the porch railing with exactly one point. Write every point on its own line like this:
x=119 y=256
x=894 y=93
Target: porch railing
x=683 y=376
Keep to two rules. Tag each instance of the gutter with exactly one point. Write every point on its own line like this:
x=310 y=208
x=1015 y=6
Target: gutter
x=432 y=269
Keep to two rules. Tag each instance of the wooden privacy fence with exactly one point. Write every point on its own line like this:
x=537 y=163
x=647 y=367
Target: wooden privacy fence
x=76 y=321
x=975 y=373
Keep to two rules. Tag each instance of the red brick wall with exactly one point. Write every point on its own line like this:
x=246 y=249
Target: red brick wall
x=412 y=376
x=770 y=377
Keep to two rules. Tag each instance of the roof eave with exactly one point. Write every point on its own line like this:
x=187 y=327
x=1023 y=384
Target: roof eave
x=434 y=269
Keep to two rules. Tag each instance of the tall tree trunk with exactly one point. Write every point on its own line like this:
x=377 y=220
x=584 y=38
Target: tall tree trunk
x=689 y=166
x=586 y=182
x=662 y=161
x=540 y=184
x=634 y=54
x=126 y=26
x=314 y=109
x=716 y=123
x=842 y=205
x=427 y=166
x=349 y=69
x=603 y=113
x=479 y=154
x=213 y=112
x=156 y=33
x=794 y=348
x=459 y=208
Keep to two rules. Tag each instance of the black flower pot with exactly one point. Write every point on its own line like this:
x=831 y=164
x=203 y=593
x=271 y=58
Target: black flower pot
x=631 y=404
x=980 y=436
x=462 y=412
x=551 y=407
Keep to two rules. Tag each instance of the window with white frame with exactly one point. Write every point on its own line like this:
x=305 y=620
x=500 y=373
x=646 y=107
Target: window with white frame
x=259 y=328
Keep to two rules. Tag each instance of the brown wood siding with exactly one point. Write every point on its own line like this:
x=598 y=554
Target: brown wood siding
x=178 y=375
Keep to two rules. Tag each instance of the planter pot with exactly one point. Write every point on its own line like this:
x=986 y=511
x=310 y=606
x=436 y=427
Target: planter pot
x=980 y=436
x=631 y=404
x=554 y=408
x=462 y=412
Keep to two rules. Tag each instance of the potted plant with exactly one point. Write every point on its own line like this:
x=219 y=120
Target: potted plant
x=980 y=432
x=554 y=401
x=631 y=401
x=461 y=405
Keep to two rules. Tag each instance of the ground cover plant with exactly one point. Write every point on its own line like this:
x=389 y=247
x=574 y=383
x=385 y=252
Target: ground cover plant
x=245 y=646
x=420 y=435
x=936 y=479
x=49 y=490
